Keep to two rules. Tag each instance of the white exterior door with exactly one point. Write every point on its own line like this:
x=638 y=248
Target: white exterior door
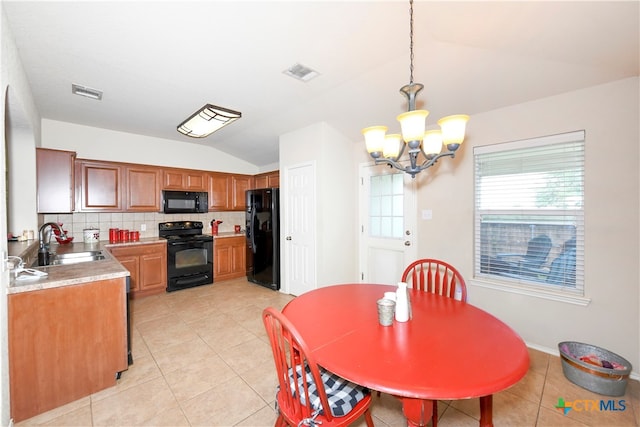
x=299 y=228
x=388 y=223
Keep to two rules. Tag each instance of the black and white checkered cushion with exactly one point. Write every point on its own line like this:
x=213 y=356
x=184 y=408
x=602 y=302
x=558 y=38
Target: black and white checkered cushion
x=343 y=395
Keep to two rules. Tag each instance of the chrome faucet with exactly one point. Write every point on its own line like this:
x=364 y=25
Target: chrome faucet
x=43 y=251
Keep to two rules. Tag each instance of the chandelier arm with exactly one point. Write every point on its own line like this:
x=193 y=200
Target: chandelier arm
x=393 y=164
x=430 y=162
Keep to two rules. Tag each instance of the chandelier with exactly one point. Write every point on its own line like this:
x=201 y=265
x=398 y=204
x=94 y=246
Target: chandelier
x=388 y=149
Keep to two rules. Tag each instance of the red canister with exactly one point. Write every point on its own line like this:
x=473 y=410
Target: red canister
x=134 y=236
x=114 y=235
x=124 y=235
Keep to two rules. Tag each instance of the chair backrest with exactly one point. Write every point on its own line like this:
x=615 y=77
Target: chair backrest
x=435 y=276
x=296 y=369
x=538 y=250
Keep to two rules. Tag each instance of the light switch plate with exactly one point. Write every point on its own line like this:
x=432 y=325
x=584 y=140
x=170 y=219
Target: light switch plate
x=427 y=214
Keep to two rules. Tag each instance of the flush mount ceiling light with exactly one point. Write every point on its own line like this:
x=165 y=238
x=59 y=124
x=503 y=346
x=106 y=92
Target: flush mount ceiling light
x=207 y=120
x=86 y=91
x=387 y=149
x=300 y=72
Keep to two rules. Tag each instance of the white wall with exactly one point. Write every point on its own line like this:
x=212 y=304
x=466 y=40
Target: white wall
x=103 y=144
x=610 y=116
x=13 y=80
x=336 y=251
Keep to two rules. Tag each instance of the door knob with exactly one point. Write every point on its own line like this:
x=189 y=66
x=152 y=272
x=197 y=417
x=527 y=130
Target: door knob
x=288 y=237
x=408 y=233
x=407 y=243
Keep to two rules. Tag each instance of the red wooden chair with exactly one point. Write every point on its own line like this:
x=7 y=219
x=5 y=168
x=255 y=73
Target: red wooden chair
x=438 y=277
x=337 y=402
x=435 y=276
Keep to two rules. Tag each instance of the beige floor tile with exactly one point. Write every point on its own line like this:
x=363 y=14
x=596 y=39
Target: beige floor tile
x=388 y=409
x=149 y=403
x=170 y=334
x=197 y=378
x=265 y=417
x=182 y=355
x=555 y=418
x=81 y=417
x=243 y=357
x=224 y=338
x=453 y=417
x=144 y=369
x=221 y=407
x=262 y=379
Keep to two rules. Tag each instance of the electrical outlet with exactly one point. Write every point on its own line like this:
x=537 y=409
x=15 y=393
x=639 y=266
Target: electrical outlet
x=427 y=214
x=143 y=227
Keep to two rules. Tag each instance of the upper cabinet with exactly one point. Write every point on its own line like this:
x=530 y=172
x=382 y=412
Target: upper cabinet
x=267 y=180
x=55 y=182
x=227 y=191
x=240 y=184
x=219 y=185
x=99 y=185
x=181 y=179
x=143 y=188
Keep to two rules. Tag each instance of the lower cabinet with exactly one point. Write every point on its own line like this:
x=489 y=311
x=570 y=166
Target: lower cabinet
x=147 y=264
x=65 y=343
x=229 y=258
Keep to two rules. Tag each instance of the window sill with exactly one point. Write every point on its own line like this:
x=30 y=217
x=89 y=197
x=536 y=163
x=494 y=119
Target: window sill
x=566 y=296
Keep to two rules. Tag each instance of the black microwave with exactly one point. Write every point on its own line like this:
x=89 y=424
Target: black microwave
x=185 y=201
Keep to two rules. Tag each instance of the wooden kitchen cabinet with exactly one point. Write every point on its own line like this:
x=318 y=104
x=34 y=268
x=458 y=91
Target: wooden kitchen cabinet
x=267 y=180
x=229 y=258
x=99 y=185
x=240 y=184
x=147 y=264
x=65 y=343
x=143 y=188
x=55 y=180
x=219 y=191
x=188 y=180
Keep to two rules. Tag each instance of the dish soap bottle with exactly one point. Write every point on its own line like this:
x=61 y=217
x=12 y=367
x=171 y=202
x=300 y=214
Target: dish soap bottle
x=402 y=303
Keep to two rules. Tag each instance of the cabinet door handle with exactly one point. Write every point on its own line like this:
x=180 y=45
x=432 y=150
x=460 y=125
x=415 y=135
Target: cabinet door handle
x=288 y=237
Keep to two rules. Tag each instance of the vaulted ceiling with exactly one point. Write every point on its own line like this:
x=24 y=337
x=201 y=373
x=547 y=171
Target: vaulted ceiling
x=157 y=62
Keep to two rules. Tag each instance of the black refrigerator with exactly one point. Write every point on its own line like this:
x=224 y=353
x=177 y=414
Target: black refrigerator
x=263 y=237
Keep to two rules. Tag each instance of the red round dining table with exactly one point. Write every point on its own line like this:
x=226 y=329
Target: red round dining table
x=448 y=350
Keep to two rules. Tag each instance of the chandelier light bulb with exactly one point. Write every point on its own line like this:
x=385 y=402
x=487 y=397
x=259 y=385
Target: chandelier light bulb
x=412 y=124
x=392 y=144
x=374 y=138
x=453 y=128
x=432 y=143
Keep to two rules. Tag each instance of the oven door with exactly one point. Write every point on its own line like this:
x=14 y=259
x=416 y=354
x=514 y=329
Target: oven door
x=189 y=263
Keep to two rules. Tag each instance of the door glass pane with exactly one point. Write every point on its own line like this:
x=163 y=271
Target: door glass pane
x=386 y=213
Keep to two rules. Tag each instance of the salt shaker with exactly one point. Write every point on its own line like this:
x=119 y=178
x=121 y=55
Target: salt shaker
x=402 y=303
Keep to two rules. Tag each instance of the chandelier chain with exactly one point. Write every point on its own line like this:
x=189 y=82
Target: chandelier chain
x=410 y=41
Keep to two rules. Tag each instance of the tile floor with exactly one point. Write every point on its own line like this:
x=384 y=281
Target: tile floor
x=202 y=358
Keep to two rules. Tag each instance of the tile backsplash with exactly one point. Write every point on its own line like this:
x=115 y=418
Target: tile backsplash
x=76 y=222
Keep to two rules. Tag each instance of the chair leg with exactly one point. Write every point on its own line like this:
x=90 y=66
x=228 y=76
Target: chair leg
x=367 y=418
x=434 y=418
x=280 y=422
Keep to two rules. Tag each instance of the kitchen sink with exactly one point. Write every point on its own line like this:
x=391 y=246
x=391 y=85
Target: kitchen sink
x=74 y=258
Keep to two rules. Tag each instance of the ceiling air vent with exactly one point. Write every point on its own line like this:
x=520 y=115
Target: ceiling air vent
x=300 y=72
x=86 y=91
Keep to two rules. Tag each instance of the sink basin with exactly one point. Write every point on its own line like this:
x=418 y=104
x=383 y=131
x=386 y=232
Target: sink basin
x=74 y=258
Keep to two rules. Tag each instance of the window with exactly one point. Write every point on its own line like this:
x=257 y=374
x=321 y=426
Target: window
x=529 y=214
x=386 y=216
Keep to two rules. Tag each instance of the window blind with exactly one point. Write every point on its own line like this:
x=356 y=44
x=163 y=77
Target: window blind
x=529 y=212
